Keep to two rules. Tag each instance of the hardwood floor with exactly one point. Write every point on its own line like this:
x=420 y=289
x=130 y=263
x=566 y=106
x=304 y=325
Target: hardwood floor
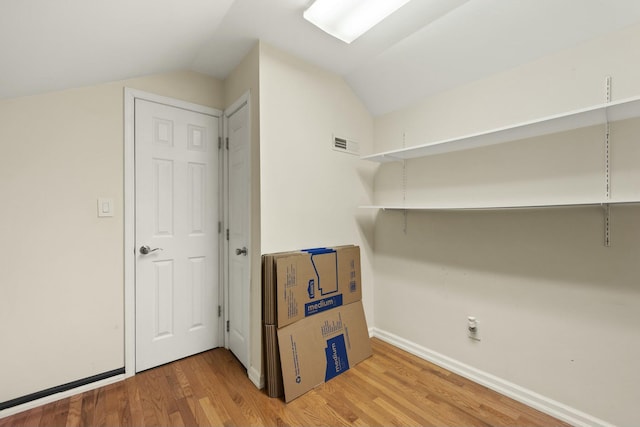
x=392 y=388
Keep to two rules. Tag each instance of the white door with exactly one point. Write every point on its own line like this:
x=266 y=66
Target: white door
x=239 y=204
x=176 y=233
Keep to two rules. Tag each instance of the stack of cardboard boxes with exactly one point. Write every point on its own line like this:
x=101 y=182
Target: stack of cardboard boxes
x=313 y=321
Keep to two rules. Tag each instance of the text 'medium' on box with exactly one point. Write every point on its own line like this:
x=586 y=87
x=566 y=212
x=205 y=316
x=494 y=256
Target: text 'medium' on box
x=316 y=280
x=321 y=347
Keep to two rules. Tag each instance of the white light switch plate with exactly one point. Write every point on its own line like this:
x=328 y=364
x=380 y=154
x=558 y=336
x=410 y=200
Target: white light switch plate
x=105 y=207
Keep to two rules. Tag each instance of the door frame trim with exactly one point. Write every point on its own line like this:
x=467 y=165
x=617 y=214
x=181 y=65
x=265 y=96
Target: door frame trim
x=130 y=95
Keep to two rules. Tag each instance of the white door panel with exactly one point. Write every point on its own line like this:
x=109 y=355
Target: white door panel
x=177 y=210
x=239 y=233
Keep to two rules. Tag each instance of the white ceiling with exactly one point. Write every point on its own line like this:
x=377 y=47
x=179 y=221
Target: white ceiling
x=426 y=47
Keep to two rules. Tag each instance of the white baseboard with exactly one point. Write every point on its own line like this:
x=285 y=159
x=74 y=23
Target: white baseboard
x=62 y=395
x=514 y=391
x=256 y=377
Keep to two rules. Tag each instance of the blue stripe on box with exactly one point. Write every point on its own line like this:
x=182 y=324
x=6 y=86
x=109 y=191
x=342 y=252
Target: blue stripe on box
x=324 y=304
x=319 y=251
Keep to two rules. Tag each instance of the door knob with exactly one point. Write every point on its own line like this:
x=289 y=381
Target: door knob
x=242 y=251
x=144 y=250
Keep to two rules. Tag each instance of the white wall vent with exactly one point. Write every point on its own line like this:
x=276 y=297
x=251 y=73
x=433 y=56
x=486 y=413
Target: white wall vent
x=345 y=145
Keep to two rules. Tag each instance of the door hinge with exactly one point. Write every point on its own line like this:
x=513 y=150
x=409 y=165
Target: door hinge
x=227 y=234
x=227 y=326
x=219 y=142
x=219 y=227
x=227 y=142
x=219 y=311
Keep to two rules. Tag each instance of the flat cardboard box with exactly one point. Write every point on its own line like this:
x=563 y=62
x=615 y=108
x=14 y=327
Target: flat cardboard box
x=318 y=348
x=313 y=281
x=271 y=355
x=273 y=371
x=269 y=289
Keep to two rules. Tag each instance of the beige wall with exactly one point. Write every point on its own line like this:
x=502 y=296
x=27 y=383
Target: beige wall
x=557 y=310
x=61 y=268
x=310 y=193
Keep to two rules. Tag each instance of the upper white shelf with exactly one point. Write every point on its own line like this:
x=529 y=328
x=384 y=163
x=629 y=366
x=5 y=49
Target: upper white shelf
x=598 y=114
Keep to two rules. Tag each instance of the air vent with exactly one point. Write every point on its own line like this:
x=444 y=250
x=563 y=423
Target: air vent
x=345 y=145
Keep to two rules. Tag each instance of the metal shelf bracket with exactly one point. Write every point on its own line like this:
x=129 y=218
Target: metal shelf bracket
x=607 y=170
x=607 y=224
x=404 y=186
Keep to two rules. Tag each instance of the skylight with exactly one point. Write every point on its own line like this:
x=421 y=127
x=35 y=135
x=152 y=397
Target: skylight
x=349 y=19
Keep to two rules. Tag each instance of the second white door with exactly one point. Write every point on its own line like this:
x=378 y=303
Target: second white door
x=177 y=240
x=239 y=253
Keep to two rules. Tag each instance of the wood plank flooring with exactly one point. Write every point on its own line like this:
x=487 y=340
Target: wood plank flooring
x=392 y=388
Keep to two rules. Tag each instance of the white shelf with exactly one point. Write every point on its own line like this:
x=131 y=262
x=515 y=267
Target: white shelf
x=454 y=207
x=599 y=114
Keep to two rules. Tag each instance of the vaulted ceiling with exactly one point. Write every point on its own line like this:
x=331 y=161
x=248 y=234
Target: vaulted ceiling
x=426 y=47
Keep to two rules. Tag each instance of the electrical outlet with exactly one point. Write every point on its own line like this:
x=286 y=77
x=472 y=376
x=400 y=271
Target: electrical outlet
x=473 y=328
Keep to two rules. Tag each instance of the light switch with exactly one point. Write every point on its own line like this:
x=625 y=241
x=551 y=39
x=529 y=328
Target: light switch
x=105 y=207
